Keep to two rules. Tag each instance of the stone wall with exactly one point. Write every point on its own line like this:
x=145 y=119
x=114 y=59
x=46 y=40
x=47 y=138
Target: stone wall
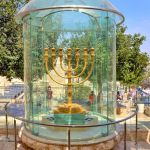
x=38 y=143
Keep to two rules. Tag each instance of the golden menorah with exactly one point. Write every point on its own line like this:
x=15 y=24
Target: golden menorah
x=70 y=70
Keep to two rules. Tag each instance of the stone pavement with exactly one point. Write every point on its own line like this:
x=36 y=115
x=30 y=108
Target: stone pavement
x=143 y=125
x=130 y=146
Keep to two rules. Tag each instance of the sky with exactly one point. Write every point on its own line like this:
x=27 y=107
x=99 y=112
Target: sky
x=137 y=18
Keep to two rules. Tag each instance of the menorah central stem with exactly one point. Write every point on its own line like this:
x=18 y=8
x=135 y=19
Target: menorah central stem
x=69 y=74
x=69 y=88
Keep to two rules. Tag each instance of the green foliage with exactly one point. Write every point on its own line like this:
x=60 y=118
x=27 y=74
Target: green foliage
x=131 y=62
x=11 y=56
x=81 y=93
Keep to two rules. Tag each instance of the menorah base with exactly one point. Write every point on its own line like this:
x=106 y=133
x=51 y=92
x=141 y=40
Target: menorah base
x=74 y=119
x=73 y=113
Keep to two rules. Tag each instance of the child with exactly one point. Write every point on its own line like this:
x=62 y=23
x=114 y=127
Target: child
x=49 y=93
x=91 y=97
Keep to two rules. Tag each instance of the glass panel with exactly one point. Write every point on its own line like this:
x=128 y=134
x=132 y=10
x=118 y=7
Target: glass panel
x=80 y=88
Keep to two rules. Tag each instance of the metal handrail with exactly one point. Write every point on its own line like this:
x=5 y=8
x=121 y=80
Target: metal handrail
x=76 y=126
x=73 y=126
x=6 y=116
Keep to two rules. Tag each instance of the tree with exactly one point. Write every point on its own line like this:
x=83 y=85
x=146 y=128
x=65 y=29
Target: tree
x=11 y=56
x=131 y=62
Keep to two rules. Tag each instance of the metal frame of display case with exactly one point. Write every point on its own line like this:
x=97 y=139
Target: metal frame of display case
x=77 y=7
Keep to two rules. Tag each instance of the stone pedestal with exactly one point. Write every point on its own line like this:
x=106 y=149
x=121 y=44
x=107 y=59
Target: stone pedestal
x=38 y=143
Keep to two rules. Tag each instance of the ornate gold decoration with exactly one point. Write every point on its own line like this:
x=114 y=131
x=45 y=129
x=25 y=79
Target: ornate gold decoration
x=69 y=109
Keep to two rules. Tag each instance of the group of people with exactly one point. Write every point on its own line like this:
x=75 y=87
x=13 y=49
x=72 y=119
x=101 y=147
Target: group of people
x=119 y=96
x=91 y=98
x=127 y=95
x=50 y=95
x=92 y=95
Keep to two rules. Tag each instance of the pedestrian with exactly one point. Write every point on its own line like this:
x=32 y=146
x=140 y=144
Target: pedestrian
x=49 y=93
x=119 y=97
x=91 y=97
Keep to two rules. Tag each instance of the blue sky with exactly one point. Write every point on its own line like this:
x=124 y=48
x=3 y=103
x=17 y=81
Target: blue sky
x=137 y=18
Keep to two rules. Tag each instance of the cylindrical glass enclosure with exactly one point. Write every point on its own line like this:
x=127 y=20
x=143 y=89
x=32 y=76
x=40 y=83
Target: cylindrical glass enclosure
x=70 y=66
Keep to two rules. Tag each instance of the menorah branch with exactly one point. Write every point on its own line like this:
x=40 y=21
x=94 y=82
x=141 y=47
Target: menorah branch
x=85 y=63
x=76 y=67
x=47 y=70
x=46 y=66
x=61 y=59
x=89 y=74
x=92 y=66
x=77 y=60
x=57 y=71
x=61 y=65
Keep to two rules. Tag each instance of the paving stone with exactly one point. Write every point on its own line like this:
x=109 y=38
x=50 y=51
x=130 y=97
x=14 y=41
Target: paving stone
x=72 y=148
x=109 y=145
x=87 y=148
x=41 y=146
x=100 y=146
x=53 y=147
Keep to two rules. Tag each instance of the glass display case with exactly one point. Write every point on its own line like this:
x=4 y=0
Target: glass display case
x=70 y=66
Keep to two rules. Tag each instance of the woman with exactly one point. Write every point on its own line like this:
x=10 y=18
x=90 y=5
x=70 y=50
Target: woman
x=91 y=97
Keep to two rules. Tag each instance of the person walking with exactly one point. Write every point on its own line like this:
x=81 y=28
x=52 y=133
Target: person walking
x=91 y=98
x=49 y=94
